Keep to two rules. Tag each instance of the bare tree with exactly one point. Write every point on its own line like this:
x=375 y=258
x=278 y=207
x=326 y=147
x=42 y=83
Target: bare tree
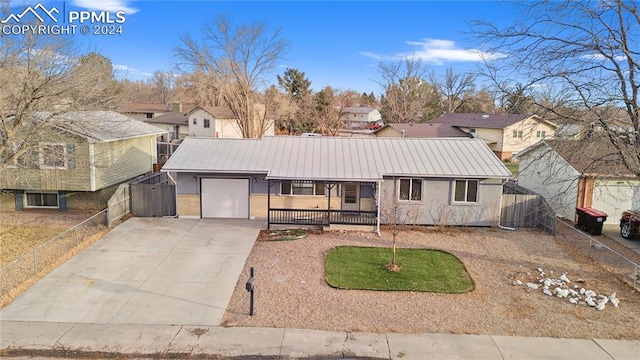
x=197 y=87
x=408 y=95
x=46 y=73
x=587 y=51
x=163 y=86
x=454 y=88
x=397 y=217
x=236 y=59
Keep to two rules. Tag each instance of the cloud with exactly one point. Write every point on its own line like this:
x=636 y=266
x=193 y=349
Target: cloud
x=596 y=56
x=127 y=72
x=106 y=5
x=437 y=51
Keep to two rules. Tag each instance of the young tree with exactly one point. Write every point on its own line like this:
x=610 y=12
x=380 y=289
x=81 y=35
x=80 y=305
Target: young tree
x=587 y=51
x=237 y=59
x=397 y=217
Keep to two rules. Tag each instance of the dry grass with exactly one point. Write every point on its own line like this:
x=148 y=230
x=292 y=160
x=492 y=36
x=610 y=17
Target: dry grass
x=291 y=290
x=23 y=231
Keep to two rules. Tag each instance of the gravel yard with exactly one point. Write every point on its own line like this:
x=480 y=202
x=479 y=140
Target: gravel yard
x=291 y=291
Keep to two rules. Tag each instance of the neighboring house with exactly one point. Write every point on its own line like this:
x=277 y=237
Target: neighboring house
x=359 y=117
x=84 y=156
x=581 y=130
x=421 y=130
x=572 y=174
x=506 y=134
x=217 y=122
x=338 y=180
x=141 y=111
x=175 y=123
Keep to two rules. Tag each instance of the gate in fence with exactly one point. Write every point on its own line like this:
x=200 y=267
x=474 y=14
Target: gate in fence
x=153 y=196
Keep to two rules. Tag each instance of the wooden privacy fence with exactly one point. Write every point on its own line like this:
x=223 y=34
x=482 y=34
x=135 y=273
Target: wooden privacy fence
x=153 y=196
x=524 y=208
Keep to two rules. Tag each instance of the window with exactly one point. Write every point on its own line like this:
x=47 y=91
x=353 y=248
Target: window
x=42 y=199
x=302 y=188
x=195 y=121
x=465 y=191
x=149 y=115
x=541 y=134
x=472 y=130
x=517 y=133
x=410 y=190
x=207 y=123
x=53 y=156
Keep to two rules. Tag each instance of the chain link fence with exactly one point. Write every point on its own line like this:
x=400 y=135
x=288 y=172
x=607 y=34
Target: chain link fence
x=611 y=259
x=40 y=260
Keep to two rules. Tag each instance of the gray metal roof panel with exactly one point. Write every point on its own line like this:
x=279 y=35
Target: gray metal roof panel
x=337 y=158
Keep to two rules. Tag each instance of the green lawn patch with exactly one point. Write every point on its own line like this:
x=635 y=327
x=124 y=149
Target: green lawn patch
x=513 y=167
x=364 y=268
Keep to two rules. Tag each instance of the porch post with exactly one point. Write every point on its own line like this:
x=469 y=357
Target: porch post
x=269 y=204
x=328 y=204
x=379 y=185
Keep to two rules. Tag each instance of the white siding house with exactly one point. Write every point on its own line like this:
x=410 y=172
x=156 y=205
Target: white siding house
x=570 y=174
x=217 y=122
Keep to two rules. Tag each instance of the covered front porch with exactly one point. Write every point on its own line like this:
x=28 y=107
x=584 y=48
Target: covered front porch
x=351 y=203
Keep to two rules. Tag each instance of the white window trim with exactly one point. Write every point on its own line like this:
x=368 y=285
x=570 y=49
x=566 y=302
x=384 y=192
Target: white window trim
x=42 y=156
x=410 y=188
x=314 y=183
x=466 y=188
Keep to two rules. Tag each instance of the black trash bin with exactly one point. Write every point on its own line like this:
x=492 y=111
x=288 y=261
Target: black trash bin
x=590 y=220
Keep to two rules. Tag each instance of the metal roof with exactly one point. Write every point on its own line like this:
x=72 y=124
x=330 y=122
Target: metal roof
x=339 y=158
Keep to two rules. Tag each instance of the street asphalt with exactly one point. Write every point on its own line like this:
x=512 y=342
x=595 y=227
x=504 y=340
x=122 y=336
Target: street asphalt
x=155 y=287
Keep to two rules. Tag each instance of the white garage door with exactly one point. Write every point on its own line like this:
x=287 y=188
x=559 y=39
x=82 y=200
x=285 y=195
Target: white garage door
x=225 y=198
x=613 y=200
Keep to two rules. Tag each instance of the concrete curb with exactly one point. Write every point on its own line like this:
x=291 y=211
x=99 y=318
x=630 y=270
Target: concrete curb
x=18 y=338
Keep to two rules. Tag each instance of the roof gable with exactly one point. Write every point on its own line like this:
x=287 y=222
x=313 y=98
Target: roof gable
x=339 y=158
x=357 y=109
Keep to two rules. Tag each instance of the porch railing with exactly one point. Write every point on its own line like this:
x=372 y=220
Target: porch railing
x=318 y=217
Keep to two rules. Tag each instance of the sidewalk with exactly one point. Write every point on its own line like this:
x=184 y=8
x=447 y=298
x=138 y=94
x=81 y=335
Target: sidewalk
x=18 y=338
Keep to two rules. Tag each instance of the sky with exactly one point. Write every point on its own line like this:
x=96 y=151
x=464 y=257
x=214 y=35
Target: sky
x=335 y=43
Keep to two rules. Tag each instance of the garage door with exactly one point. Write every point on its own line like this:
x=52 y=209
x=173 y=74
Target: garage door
x=225 y=198
x=613 y=200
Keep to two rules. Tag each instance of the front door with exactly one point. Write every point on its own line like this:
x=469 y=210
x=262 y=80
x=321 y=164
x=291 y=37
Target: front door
x=350 y=196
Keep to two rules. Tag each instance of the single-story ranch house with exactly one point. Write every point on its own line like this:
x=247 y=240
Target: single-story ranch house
x=328 y=181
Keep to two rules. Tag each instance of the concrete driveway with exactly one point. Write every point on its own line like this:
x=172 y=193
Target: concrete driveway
x=145 y=271
x=613 y=231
